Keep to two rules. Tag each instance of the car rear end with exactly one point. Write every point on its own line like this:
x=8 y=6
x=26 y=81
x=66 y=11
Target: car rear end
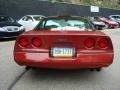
x=64 y=43
x=62 y=51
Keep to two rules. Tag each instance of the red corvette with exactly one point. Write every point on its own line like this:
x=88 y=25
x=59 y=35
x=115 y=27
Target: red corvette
x=64 y=43
x=110 y=23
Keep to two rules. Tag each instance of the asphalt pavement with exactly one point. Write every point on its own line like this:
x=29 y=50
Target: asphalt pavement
x=15 y=77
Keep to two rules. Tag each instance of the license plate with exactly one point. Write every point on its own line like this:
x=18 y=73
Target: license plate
x=62 y=52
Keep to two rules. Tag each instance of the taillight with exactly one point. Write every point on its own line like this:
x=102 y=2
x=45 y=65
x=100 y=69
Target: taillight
x=36 y=42
x=23 y=42
x=103 y=43
x=89 y=43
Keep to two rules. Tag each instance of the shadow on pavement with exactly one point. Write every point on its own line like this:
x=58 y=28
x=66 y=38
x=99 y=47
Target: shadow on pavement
x=39 y=74
x=7 y=39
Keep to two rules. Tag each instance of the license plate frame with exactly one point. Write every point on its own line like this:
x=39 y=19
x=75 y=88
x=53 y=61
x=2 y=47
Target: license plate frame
x=63 y=52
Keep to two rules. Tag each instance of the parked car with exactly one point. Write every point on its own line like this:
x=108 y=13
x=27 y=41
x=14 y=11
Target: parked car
x=64 y=42
x=30 y=21
x=115 y=18
x=109 y=23
x=9 y=28
x=99 y=25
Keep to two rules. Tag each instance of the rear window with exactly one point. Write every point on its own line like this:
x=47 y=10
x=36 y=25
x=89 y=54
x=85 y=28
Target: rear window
x=70 y=24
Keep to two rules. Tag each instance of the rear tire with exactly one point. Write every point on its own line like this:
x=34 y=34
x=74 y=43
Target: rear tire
x=27 y=67
x=98 y=69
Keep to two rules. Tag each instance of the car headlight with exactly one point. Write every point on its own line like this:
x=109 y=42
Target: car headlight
x=2 y=30
x=11 y=28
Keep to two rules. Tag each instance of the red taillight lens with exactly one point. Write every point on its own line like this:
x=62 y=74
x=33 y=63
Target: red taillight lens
x=103 y=43
x=23 y=42
x=89 y=43
x=36 y=42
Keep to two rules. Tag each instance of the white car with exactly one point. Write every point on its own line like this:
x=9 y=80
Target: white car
x=30 y=21
x=99 y=25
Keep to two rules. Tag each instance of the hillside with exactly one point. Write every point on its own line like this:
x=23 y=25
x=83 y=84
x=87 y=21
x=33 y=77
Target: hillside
x=102 y=3
x=19 y=8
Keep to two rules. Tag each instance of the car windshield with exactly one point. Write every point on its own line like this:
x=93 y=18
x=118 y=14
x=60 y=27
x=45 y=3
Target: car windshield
x=4 y=19
x=37 y=18
x=70 y=24
x=116 y=17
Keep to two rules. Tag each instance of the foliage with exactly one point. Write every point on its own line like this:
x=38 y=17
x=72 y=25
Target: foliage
x=102 y=3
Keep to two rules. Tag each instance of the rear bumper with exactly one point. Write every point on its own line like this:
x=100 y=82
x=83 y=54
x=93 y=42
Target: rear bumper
x=10 y=34
x=42 y=60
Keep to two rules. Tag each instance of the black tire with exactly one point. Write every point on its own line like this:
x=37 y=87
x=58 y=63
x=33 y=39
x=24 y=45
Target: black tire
x=92 y=69
x=98 y=69
x=27 y=67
